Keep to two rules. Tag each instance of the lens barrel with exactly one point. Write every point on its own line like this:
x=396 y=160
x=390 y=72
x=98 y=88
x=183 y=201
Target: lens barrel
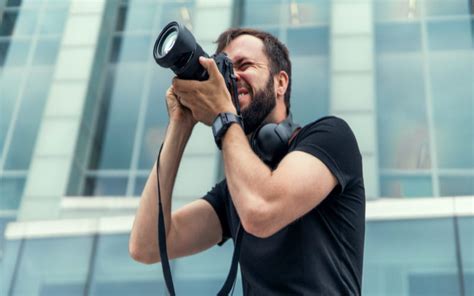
x=176 y=48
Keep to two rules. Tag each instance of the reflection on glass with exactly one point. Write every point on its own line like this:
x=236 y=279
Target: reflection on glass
x=156 y=118
x=182 y=12
x=11 y=191
x=397 y=9
x=398 y=37
x=17 y=53
x=7 y=264
x=10 y=83
x=116 y=273
x=403 y=136
x=131 y=48
x=310 y=92
x=121 y=18
x=214 y=263
x=303 y=12
x=453 y=108
x=456 y=186
x=263 y=12
x=445 y=8
x=409 y=186
x=46 y=52
x=8 y=23
x=26 y=22
x=119 y=127
x=53 y=21
x=424 y=264
x=139 y=185
x=308 y=41
x=450 y=35
x=466 y=229
x=28 y=120
x=54 y=266
x=140 y=16
x=105 y=186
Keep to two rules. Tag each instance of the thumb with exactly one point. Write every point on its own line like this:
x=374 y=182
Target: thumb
x=210 y=65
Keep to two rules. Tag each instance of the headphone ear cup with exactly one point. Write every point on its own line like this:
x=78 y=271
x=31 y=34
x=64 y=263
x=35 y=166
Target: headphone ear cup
x=268 y=143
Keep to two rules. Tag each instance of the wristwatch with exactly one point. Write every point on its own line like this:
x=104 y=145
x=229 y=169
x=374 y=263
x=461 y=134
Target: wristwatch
x=222 y=123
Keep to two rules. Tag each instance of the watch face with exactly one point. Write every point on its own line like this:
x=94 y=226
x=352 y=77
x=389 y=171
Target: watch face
x=217 y=125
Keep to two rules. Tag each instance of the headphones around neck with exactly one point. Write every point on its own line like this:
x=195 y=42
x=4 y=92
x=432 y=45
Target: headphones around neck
x=271 y=141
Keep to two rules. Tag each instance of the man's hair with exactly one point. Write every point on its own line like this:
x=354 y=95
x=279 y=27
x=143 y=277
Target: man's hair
x=276 y=52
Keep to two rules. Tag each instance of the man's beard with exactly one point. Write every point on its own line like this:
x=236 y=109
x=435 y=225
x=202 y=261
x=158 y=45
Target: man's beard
x=261 y=104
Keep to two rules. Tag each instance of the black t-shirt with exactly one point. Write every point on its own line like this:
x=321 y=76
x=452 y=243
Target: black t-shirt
x=320 y=253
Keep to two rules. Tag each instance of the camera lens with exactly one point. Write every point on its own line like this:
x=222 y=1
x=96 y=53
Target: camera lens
x=168 y=43
x=177 y=49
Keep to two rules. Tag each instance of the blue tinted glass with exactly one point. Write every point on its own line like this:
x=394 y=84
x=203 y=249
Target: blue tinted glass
x=302 y=12
x=140 y=16
x=4 y=45
x=453 y=108
x=398 y=37
x=135 y=48
x=139 y=185
x=308 y=41
x=11 y=191
x=17 y=53
x=456 y=186
x=411 y=257
x=156 y=118
x=413 y=186
x=10 y=83
x=106 y=186
x=116 y=273
x=396 y=10
x=125 y=88
x=264 y=12
x=8 y=262
x=203 y=273
x=8 y=23
x=46 y=51
x=401 y=112
x=466 y=229
x=29 y=118
x=450 y=34
x=181 y=12
x=443 y=7
x=310 y=93
x=26 y=23
x=4 y=220
x=54 y=266
x=53 y=21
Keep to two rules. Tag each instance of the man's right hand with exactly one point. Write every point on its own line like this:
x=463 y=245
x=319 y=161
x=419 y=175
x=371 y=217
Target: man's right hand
x=176 y=111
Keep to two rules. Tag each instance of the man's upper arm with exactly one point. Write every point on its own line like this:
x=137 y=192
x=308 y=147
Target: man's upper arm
x=195 y=228
x=303 y=181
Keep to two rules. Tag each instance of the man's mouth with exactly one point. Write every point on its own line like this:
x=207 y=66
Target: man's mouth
x=243 y=94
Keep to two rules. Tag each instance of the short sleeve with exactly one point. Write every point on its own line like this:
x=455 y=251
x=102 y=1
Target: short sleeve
x=331 y=140
x=216 y=197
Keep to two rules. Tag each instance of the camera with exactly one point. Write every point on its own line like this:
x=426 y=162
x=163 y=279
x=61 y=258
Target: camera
x=176 y=48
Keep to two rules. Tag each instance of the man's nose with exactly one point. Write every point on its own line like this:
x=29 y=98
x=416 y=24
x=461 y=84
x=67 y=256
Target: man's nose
x=237 y=74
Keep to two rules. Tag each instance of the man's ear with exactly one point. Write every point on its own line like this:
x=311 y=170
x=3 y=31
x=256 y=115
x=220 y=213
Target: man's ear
x=281 y=83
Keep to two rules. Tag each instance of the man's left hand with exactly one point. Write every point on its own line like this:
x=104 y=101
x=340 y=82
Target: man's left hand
x=205 y=99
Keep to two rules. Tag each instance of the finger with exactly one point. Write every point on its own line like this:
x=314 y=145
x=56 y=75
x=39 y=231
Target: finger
x=211 y=67
x=185 y=86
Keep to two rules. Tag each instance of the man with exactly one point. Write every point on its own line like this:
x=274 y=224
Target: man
x=303 y=221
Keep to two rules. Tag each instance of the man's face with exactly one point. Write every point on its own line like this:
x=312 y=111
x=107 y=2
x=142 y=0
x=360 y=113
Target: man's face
x=255 y=84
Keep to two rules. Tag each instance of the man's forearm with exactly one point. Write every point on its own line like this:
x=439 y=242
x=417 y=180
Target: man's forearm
x=143 y=239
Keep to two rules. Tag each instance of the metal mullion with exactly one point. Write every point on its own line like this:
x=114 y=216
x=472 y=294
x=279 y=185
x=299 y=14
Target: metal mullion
x=142 y=113
x=429 y=104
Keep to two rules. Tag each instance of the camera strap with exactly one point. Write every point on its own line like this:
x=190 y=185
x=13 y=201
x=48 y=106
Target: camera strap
x=230 y=280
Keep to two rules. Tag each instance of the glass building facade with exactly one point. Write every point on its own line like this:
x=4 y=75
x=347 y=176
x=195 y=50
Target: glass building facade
x=82 y=115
